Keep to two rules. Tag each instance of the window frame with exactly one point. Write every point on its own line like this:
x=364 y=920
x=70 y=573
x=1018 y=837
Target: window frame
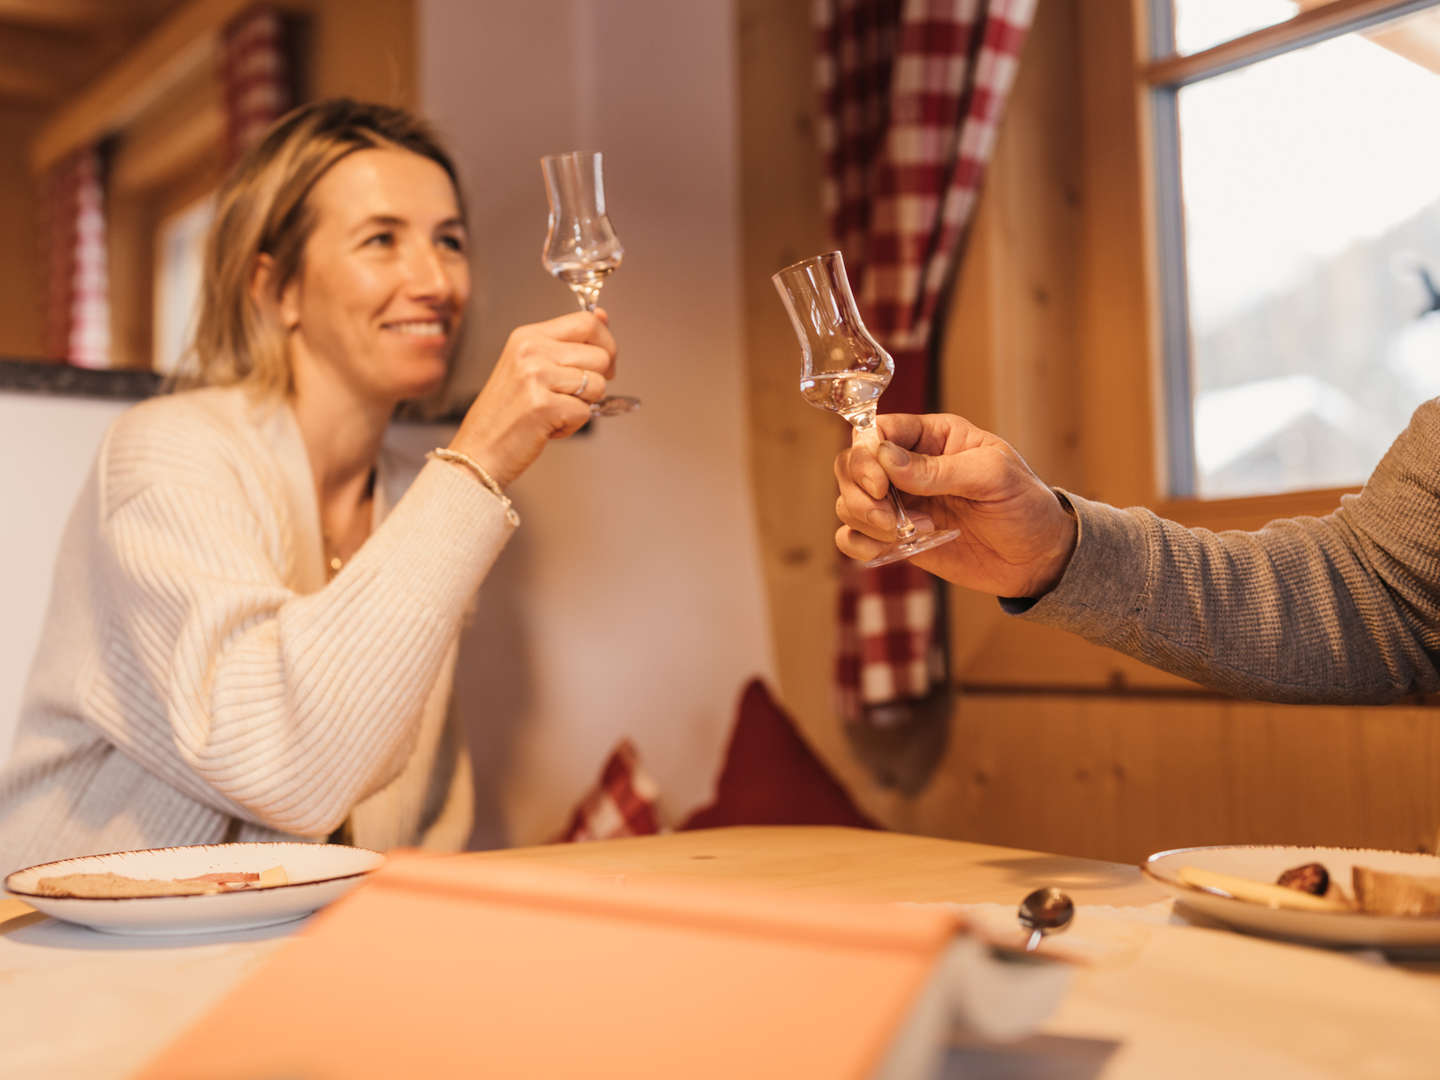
x=1162 y=74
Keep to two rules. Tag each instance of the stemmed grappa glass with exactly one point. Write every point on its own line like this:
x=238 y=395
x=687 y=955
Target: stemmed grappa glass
x=844 y=369
x=581 y=248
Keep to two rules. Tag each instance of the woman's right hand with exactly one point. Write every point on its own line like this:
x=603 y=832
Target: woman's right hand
x=530 y=397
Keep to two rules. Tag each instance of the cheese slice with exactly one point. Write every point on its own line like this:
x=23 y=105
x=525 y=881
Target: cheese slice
x=274 y=876
x=1259 y=892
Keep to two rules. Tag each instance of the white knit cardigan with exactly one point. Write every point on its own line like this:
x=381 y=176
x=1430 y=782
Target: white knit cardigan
x=198 y=681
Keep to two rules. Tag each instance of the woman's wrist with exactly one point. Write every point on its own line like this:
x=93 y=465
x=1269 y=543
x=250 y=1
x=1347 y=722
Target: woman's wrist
x=460 y=459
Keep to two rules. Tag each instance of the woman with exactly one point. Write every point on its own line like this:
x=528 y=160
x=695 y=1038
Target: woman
x=253 y=628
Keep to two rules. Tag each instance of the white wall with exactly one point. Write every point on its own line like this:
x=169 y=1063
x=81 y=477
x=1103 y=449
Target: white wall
x=630 y=602
x=47 y=445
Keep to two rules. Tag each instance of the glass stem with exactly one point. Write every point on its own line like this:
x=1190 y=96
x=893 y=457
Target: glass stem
x=588 y=295
x=904 y=527
x=864 y=428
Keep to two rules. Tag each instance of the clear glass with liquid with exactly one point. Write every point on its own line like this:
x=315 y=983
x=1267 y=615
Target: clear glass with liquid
x=844 y=370
x=581 y=248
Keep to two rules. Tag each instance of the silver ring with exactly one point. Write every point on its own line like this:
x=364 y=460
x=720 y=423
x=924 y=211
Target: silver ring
x=584 y=382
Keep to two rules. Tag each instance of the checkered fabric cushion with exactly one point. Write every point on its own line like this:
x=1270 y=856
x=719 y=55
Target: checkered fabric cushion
x=911 y=93
x=622 y=803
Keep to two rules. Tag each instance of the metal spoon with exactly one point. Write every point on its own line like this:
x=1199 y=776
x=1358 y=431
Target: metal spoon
x=1045 y=911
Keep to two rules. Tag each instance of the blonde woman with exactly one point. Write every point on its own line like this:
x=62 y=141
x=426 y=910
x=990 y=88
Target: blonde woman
x=253 y=627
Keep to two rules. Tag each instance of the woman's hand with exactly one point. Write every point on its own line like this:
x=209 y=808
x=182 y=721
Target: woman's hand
x=1016 y=538
x=531 y=396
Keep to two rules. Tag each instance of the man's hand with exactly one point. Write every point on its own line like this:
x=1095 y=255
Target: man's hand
x=1016 y=537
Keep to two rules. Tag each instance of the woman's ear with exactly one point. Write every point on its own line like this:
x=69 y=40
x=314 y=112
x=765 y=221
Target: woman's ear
x=285 y=305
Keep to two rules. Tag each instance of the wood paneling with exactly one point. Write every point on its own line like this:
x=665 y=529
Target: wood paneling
x=49 y=48
x=68 y=13
x=22 y=300
x=1117 y=778
x=366 y=49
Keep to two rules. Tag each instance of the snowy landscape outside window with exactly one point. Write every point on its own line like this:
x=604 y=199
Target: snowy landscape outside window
x=1301 y=265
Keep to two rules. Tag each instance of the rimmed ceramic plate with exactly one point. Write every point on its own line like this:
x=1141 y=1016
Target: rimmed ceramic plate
x=1265 y=863
x=317 y=873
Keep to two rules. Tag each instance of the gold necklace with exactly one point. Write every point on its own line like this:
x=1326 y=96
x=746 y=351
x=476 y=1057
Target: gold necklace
x=333 y=561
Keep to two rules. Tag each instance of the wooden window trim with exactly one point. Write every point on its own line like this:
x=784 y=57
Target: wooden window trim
x=1307 y=27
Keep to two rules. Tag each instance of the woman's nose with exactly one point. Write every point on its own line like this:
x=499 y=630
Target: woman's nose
x=429 y=276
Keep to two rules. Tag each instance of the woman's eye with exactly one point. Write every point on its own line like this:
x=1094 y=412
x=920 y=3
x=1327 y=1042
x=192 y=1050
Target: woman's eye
x=381 y=239
x=453 y=242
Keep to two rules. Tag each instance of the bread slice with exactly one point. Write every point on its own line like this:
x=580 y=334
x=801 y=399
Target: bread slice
x=1259 y=892
x=1381 y=893
x=117 y=886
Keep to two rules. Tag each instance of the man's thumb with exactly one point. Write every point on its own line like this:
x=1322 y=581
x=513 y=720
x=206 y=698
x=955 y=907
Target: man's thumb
x=915 y=473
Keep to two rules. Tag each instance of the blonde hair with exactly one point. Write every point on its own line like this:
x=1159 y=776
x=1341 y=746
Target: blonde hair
x=263 y=208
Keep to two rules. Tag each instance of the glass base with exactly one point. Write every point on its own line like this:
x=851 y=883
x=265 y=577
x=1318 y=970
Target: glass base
x=614 y=406
x=907 y=548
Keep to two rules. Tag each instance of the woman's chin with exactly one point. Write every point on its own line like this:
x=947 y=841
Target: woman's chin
x=422 y=384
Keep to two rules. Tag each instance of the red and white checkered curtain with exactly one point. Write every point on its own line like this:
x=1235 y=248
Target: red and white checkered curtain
x=911 y=95
x=259 y=85
x=77 y=289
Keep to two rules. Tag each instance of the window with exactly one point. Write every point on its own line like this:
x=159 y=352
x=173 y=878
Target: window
x=1298 y=198
x=179 y=259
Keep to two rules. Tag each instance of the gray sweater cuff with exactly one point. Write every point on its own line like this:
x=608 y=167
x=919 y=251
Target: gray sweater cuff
x=1107 y=578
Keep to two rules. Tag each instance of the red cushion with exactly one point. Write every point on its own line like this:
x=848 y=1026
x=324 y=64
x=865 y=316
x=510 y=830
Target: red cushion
x=771 y=777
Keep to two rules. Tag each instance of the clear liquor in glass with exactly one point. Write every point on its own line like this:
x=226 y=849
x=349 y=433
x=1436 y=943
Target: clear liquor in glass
x=844 y=369
x=581 y=248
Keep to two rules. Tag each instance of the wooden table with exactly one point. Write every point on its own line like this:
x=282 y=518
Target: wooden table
x=1157 y=999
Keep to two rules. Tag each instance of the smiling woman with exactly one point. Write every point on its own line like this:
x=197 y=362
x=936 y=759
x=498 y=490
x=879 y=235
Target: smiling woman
x=253 y=629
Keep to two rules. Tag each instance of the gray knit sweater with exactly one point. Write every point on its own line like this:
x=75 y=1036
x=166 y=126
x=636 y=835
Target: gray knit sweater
x=1344 y=608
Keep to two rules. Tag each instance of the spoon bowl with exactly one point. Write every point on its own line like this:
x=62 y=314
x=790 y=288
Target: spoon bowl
x=1045 y=911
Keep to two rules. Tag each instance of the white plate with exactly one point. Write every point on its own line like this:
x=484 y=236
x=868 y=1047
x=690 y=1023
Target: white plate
x=318 y=873
x=1264 y=864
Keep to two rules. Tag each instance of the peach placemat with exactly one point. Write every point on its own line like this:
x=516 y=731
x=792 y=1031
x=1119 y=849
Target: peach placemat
x=449 y=966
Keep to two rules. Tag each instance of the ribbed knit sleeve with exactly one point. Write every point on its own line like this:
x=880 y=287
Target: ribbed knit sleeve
x=1343 y=608
x=279 y=708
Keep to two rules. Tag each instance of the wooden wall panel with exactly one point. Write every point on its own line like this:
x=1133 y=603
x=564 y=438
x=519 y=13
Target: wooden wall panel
x=22 y=296
x=1118 y=777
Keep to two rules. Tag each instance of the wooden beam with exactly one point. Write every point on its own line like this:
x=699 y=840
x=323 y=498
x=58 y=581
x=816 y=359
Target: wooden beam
x=1306 y=28
x=37 y=65
x=67 y=13
x=179 y=46
x=27 y=82
x=155 y=153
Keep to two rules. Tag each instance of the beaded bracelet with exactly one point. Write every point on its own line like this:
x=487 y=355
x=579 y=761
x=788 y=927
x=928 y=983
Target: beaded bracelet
x=457 y=458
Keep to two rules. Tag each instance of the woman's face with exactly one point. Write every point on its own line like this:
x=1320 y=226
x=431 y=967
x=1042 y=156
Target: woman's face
x=378 y=299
